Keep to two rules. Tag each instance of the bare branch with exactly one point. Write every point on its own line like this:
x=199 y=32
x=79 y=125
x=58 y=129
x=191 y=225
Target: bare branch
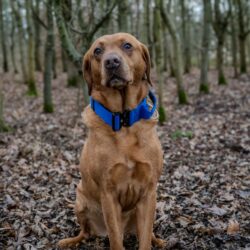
x=101 y=20
x=37 y=18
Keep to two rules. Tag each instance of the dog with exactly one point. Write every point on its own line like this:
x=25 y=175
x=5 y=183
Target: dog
x=122 y=157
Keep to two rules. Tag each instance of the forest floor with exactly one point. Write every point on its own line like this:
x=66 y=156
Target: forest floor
x=203 y=193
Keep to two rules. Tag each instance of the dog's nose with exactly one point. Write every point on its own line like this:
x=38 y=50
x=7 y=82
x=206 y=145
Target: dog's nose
x=112 y=62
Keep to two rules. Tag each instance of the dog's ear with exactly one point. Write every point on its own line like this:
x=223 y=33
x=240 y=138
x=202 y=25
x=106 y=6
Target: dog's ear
x=146 y=58
x=87 y=71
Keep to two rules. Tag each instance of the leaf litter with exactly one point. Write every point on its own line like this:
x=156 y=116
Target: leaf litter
x=203 y=193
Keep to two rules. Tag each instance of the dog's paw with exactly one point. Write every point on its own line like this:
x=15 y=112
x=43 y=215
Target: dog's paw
x=67 y=243
x=158 y=242
x=72 y=242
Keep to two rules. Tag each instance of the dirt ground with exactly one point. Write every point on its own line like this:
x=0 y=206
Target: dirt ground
x=203 y=193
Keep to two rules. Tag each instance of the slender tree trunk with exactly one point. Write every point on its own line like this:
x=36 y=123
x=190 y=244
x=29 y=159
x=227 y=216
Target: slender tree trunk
x=188 y=61
x=3 y=39
x=3 y=126
x=147 y=24
x=64 y=60
x=157 y=28
x=12 y=44
x=220 y=62
x=233 y=39
x=105 y=26
x=21 y=39
x=123 y=9
x=48 y=61
x=185 y=36
x=138 y=17
x=204 y=84
x=31 y=51
x=242 y=37
x=242 y=45
x=54 y=62
x=220 y=24
x=178 y=55
x=73 y=74
x=37 y=38
x=165 y=50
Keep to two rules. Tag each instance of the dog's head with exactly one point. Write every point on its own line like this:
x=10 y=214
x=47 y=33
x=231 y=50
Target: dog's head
x=115 y=61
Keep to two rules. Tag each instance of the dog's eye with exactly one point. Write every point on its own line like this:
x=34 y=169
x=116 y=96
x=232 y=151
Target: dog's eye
x=127 y=46
x=97 y=51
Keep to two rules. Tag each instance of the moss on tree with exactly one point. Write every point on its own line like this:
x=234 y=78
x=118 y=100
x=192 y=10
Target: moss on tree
x=222 y=80
x=72 y=81
x=48 y=108
x=162 y=115
x=182 y=97
x=204 y=88
x=32 y=88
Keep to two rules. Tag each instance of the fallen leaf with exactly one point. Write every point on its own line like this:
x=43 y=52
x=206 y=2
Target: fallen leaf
x=233 y=227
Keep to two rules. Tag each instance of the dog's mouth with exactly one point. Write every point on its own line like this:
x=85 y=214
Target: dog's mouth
x=116 y=81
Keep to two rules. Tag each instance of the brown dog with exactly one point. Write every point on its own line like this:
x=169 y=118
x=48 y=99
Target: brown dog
x=119 y=170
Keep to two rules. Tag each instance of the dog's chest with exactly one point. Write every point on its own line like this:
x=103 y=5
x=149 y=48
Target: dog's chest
x=130 y=181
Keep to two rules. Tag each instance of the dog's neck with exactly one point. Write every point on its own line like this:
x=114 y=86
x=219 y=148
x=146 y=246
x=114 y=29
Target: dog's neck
x=120 y=100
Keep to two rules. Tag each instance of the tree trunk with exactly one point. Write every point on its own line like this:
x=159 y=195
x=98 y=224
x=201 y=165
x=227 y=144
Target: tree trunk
x=186 y=36
x=123 y=13
x=138 y=18
x=54 y=61
x=147 y=25
x=48 y=61
x=12 y=44
x=178 y=55
x=31 y=51
x=220 y=26
x=67 y=42
x=165 y=50
x=37 y=38
x=3 y=39
x=221 y=76
x=242 y=37
x=3 y=126
x=21 y=39
x=64 y=60
x=204 y=84
x=157 y=31
x=233 y=39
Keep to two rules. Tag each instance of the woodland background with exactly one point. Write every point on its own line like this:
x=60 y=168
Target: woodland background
x=200 y=52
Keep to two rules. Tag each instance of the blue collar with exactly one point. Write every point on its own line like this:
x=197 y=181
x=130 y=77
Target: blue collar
x=117 y=120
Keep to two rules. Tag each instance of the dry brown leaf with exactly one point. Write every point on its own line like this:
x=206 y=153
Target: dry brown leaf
x=233 y=227
x=184 y=220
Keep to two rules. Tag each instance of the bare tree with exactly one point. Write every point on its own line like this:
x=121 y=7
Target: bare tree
x=48 y=62
x=3 y=39
x=178 y=54
x=3 y=125
x=12 y=43
x=186 y=35
x=87 y=35
x=157 y=31
x=234 y=44
x=21 y=39
x=123 y=13
x=244 y=30
x=220 y=23
x=204 y=84
x=37 y=31
x=31 y=50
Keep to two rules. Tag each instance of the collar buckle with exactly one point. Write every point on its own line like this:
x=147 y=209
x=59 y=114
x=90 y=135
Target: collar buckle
x=120 y=120
x=125 y=118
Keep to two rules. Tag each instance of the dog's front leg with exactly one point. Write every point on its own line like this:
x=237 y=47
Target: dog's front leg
x=145 y=211
x=112 y=216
